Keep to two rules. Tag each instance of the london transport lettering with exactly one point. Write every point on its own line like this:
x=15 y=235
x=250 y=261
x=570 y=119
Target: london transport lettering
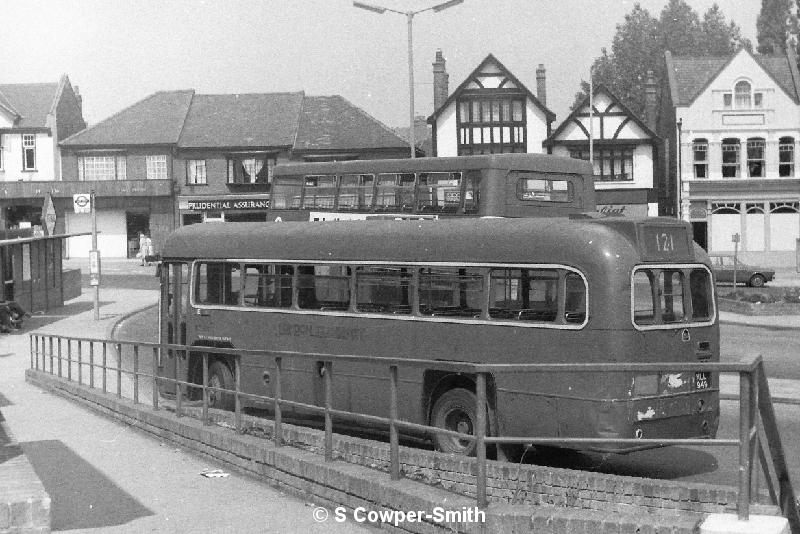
x=228 y=204
x=328 y=332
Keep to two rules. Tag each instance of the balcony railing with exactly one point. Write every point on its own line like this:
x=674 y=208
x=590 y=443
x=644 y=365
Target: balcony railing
x=106 y=188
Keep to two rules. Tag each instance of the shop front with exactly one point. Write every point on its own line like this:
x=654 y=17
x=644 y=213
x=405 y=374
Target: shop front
x=223 y=208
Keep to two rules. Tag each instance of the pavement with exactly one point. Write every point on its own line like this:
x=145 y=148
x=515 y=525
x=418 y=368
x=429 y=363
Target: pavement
x=104 y=476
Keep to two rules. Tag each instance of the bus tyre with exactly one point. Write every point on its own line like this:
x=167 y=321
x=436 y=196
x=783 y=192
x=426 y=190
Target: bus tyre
x=220 y=376
x=455 y=410
x=757 y=281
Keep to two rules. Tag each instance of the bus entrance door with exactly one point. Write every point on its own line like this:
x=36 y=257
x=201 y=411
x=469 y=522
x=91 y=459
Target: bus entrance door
x=174 y=301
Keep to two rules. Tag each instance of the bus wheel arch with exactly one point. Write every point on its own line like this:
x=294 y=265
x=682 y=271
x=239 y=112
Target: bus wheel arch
x=220 y=374
x=451 y=392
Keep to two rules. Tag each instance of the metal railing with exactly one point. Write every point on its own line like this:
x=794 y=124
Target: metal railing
x=757 y=422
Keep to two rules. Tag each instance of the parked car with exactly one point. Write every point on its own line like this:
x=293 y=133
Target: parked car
x=745 y=274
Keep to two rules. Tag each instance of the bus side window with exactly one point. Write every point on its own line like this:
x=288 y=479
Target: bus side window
x=451 y=292
x=268 y=286
x=524 y=294
x=217 y=283
x=383 y=290
x=575 y=300
x=323 y=287
x=471 y=192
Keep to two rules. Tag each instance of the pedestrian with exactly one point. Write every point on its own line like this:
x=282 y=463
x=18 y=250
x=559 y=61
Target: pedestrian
x=140 y=252
x=148 y=249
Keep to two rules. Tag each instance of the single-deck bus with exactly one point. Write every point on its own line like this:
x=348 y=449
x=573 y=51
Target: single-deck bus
x=501 y=185
x=489 y=290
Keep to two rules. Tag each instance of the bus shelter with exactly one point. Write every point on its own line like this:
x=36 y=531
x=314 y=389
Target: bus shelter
x=32 y=273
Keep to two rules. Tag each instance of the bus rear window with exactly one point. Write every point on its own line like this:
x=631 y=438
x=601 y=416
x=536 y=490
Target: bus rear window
x=534 y=186
x=665 y=296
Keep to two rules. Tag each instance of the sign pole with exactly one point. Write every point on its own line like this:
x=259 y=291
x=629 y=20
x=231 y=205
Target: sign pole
x=94 y=261
x=735 y=239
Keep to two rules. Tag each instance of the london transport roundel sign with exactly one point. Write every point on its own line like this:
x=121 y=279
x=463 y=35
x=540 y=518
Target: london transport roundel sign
x=82 y=203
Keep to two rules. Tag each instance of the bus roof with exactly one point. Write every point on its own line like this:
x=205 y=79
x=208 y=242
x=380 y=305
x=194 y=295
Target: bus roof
x=533 y=240
x=534 y=162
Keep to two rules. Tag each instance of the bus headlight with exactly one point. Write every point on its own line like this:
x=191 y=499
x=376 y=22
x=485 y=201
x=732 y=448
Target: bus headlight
x=645 y=385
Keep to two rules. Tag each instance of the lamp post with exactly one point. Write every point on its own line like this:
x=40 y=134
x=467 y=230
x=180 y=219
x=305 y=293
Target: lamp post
x=410 y=18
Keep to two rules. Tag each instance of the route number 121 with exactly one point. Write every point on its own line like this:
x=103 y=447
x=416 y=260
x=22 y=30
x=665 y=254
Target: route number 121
x=664 y=243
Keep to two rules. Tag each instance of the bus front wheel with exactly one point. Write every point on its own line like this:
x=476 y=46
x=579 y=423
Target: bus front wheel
x=455 y=410
x=220 y=376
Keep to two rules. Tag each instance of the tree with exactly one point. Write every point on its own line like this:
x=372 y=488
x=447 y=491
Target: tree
x=720 y=37
x=641 y=40
x=774 y=25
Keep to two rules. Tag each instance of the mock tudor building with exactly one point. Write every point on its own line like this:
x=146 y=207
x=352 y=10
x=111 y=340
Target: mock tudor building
x=178 y=158
x=625 y=151
x=736 y=123
x=34 y=117
x=490 y=112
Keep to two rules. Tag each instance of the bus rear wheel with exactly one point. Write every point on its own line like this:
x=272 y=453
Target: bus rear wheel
x=220 y=376
x=455 y=410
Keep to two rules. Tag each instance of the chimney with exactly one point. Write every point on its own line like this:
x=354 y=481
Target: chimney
x=541 y=86
x=440 y=81
x=650 y=101
x=78 y=97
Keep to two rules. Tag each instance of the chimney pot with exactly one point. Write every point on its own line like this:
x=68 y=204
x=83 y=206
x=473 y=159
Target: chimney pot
x=541 y=85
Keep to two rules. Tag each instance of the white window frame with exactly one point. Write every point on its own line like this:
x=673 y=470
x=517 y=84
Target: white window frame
x=156 y=167
x=192 y=175
x=28 y=144
x=700 y=146
x=118 y=167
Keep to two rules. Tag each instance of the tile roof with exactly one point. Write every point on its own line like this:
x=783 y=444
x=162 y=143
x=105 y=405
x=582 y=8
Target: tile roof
x=242 y=120
x=333 y=123
x=189 y=120
x=156 y=120
x=32 y=101
x=689 y=76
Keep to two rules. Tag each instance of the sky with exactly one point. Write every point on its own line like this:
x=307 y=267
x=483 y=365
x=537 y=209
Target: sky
x=120 y=51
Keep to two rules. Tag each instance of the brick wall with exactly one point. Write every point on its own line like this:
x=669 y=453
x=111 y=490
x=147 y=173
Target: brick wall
x=24 y=503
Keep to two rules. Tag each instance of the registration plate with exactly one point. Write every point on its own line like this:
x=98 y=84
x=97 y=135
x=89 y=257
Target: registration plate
x=701 y=380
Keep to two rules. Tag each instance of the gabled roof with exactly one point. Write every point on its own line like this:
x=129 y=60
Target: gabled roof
x=688 y=77
x=491 y=59
x=599 y=88
x=241 y=120
x=30 y=101
x=333 y=123
x=156 y=120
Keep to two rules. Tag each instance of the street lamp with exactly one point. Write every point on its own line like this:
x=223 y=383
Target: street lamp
x=409 y=17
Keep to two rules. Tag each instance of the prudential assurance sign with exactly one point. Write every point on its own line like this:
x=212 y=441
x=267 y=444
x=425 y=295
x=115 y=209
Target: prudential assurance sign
x=82 y=203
